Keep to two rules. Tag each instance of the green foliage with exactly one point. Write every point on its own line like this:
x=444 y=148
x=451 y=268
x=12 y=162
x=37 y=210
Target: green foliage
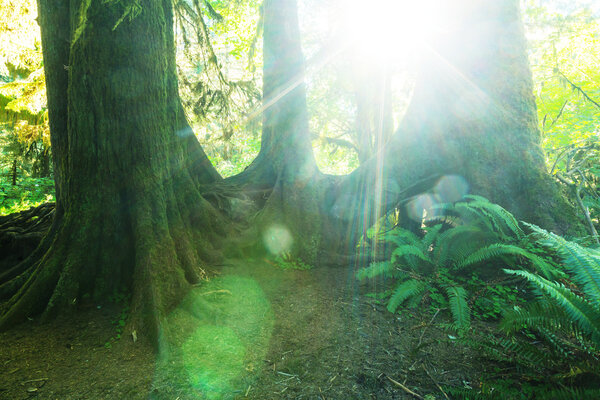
x=553 y=341
x=219 y=81
x=457 y=298
x=122 y=300
x=564 y=45
x=573 y=305
x=287 y=261
x=443 y=266
x=24 y=133
x=27 y=193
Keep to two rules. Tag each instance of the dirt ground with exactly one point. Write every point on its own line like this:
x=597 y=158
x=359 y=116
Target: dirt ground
x=253 y=331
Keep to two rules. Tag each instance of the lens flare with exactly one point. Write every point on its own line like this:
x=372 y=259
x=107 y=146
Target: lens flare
x=416 y=206
x=277 y=239
x=219 y=333
x=451 y=188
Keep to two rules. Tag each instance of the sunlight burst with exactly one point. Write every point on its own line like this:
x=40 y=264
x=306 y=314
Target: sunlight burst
x=384 y=29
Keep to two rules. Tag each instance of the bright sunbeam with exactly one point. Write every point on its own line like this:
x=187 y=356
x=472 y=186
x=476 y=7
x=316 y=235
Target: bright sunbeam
x=384 y=29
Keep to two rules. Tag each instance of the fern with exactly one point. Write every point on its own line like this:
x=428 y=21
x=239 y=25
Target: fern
x=457 y=298
x=401 y=237
x=582 y=263
x=582 y=313
x=536 y=315
x=497 y=214
x=431 y=236
x=452 y=239
x=404 y=291
x=573 y=394
x=407 y=250
x=498 y=249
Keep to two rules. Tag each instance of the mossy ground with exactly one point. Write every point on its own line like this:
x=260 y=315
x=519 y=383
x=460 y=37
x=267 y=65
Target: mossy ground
x=257 y=332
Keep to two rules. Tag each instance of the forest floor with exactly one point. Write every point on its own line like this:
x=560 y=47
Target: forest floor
x=255 y=331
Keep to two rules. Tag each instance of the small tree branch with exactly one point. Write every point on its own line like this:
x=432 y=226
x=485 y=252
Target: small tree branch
x=578 y=88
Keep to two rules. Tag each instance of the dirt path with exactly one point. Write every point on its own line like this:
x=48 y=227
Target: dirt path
x=253 y=331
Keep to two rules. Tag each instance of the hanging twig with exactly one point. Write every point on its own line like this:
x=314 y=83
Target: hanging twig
x=579 y=89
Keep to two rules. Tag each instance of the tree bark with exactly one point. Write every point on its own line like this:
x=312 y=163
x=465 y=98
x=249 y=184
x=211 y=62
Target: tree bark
x=130 y=216
x=473 y=116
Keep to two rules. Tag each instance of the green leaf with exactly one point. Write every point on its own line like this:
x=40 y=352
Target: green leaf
x=457 y=299
x=404 y=291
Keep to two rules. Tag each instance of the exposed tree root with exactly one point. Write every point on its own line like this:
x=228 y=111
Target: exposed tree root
x=20 y=233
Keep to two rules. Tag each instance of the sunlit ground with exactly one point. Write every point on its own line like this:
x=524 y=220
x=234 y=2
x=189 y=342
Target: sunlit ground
x=219 y=333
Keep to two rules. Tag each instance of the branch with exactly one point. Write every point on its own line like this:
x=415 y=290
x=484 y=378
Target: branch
x=579 y=89
x=586 y=213
x=340 y=142
x=557 y=115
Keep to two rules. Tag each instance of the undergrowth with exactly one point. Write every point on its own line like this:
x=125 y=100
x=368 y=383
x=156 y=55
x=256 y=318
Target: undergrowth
x=539 y=292
x=27 y=193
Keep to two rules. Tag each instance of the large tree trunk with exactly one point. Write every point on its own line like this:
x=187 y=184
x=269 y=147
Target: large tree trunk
x=472 y=117
x=129 y=213
x=289 y=220
x=474 y=113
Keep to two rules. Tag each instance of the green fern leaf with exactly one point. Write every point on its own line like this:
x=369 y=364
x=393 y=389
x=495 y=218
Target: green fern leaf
x=501 y=218
x=404 y=291
x=407 y=250
x=537 y=314
x=431 y=236
x=582 y=263
x=457 y=299
x=573 y=394
x=400 y=236
x=454 y=243
x=582 y=313
x=498 y=249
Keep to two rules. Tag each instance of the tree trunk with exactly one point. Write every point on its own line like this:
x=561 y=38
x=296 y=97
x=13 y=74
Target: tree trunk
x=129 y=215
x=289 y=220
x=374 y=121
x=473 y=119
x=474 y=113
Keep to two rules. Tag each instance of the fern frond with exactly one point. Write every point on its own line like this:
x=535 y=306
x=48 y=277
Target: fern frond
x=498 y=249
x=457 y=299
x=407 y=250
x=582 y=263
x=384 y=268
x=537 y=314
x=512 y=351
x=501 y=218
x=448 y=242
x=431 y=236
x=459 y=393
x=573 y=394
x=404 y=291
x=582 y=313
x=401 y=236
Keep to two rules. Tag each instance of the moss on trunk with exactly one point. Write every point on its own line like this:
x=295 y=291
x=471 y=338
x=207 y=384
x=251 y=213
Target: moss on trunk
x=131 y=214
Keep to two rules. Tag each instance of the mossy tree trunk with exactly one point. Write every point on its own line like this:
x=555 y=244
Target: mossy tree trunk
x=129 y=212
x=290 y=219
x=472 y=115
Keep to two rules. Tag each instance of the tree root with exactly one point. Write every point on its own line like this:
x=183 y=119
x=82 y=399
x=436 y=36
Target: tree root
x=20 y=234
